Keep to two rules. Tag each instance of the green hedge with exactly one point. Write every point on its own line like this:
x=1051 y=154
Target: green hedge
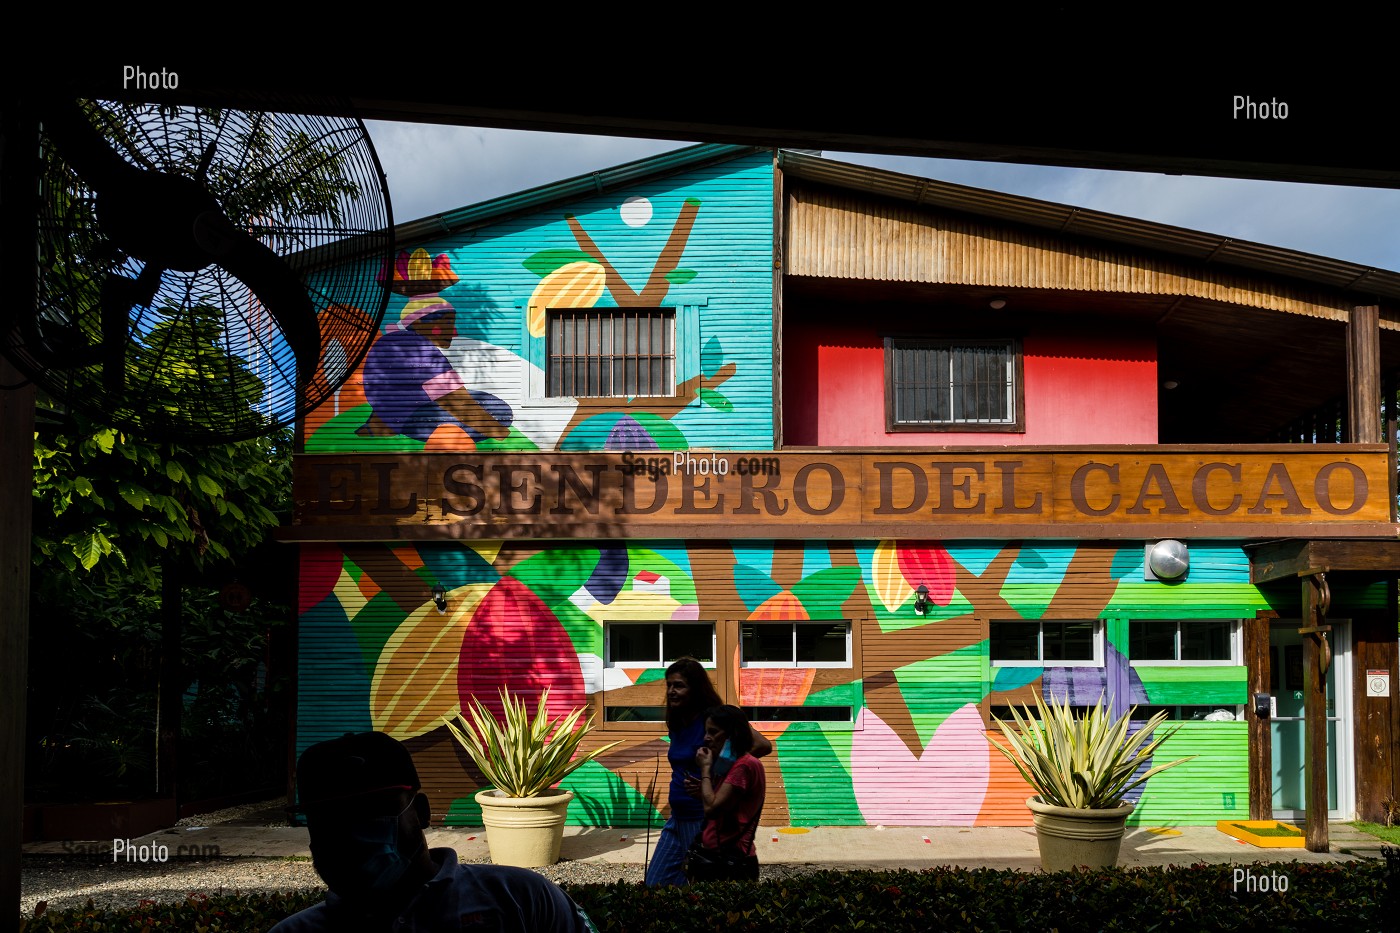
x=1200 y=898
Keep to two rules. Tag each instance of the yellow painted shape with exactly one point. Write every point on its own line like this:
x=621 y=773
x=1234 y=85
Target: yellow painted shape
x=487 y=549
x=1240 y=829
x=573 y=285
x=793 y=830
x=415 y=679
x=1163 y=831
x=886 y=577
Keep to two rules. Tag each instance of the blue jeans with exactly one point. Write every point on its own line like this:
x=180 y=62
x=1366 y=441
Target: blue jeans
x=669 y=857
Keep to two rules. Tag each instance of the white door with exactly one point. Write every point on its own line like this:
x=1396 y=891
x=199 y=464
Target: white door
x=1286 y=726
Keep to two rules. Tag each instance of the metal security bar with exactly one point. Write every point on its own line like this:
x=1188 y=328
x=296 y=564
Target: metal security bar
x=942 y=382
x=611 y=353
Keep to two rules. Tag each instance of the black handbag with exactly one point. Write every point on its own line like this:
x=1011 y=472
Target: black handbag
x=705 y=864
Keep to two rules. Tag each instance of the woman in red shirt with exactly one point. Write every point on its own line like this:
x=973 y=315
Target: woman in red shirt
x=732 y=795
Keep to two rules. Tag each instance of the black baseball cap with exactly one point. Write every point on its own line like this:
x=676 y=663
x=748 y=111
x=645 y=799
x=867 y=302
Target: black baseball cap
x=354 y=765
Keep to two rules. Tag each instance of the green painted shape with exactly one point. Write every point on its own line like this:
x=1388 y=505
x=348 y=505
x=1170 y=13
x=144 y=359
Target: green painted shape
x=514 y=441
x=1030 y=599
x=556 y=574
x=1199 y=792
x=817 y=776
x=585 y=633
x=904 y=618
x=680 y=276
x=373 y=625
x=666 y=434
x=464 y=811
x=682 y=584
x=338 y=435
x=651 y=675
x=1196 y=600
x=935 y=688
x=716 y=400
x=547 y=260
x=839 y=695
x=1193 y=686
x=352 y=568
x=603 y=798
x=823 y=593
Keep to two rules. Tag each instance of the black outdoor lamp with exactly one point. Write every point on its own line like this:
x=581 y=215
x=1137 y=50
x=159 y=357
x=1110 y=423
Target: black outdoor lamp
x=921 y=600
x=440 y=597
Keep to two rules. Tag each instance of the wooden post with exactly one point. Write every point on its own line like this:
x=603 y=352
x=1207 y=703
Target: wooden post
x=1315 y=710
x=1364 y=375
x=18 y=172
x=1261 y=760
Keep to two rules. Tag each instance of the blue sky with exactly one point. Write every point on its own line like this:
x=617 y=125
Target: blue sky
x=438 y=168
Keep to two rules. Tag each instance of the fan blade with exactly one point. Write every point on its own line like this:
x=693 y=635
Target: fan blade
x=85 y=149
x=277 y=286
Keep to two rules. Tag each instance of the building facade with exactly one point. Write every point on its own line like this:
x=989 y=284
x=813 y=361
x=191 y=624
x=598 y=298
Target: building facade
x=888 y=456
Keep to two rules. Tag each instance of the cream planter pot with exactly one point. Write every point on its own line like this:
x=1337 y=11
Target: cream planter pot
x=1071 y=837
x=524 y=831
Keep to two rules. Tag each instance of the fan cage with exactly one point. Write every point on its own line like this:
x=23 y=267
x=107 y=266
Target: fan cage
x=204 y=360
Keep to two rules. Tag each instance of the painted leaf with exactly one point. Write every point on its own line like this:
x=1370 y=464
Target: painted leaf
x=680 y=276
x=414 y=682
x=951 y=773
x=547 y=260
x=887 y=579
x=930 y=565
x=824 y=592
x=573 y=285
x=716 y=400
x=711 y=357
x=514 y=641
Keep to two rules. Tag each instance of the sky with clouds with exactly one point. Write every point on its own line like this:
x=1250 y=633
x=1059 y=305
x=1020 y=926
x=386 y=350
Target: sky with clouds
x=432 y=169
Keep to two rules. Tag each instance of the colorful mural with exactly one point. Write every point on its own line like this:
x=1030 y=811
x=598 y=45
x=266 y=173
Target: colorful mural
x=911 y=746
x=461 y=362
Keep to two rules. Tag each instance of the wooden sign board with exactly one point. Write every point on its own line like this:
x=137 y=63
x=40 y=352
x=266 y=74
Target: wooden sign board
x=1138 y=492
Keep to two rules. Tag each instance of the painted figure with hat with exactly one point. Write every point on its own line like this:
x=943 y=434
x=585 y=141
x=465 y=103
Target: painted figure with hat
x=410 y=383
x=366 y=818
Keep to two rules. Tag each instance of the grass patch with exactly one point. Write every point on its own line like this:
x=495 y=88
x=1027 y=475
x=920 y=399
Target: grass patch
x=1390 y=834
x=1279 y=830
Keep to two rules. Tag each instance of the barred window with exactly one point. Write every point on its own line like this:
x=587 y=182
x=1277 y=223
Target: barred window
x=952 y=385
x=611 y=353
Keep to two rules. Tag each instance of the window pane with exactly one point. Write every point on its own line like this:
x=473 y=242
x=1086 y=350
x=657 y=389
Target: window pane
x=798 y=713
x=610 y=353
x=1015 y=641
x=950 y=382
x=1069 y=641
x=1206 y=640
x=633 y=642
x=635 y=713
x=767 y=643
x=1152 y=640
x=679 y=639
x=821 y=642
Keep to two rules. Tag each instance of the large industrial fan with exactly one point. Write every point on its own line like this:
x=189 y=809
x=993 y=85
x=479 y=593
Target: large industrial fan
x=204 y=273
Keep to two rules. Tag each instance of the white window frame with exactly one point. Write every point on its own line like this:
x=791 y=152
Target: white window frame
x=1236 y=646
x=795 y=664
x=660 y=642
x=1040 y=632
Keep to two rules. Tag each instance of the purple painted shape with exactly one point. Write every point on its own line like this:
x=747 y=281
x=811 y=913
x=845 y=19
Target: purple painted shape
x=1082 y=685
x=608 y=577
x=628 y=434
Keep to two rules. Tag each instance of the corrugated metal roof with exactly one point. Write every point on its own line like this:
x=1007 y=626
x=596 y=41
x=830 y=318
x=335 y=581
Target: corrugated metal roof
x=1064 y=218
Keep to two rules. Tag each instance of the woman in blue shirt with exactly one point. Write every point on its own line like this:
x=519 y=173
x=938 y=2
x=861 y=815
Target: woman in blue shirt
x=688 y=694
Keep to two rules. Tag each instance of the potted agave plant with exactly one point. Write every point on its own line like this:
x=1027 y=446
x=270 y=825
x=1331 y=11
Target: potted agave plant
x=523 y=759
x=1080 y=767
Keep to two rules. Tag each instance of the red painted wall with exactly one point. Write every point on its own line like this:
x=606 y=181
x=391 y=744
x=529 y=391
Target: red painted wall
x=1082 y=387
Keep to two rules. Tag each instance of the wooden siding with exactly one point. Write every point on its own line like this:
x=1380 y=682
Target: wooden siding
x=376 y=653
x=721 y=283
x=832 y=234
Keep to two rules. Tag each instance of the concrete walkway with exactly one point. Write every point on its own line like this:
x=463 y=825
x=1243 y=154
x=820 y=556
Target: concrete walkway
x=834 y=847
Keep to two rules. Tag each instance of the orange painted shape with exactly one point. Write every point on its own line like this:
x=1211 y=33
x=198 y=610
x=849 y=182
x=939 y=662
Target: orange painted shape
x=368 y=588
x=1005 y=800
x=408 y=556
x=448 y=438
x=774 y=686
x=780 y=607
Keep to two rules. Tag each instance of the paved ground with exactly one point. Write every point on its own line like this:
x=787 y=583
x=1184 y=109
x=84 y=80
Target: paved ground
x=836 y=847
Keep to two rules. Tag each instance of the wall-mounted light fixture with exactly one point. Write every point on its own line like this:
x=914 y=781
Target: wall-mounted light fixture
x=921 y=600
x=996 y=304
x=1165 y=560
x=440 y=597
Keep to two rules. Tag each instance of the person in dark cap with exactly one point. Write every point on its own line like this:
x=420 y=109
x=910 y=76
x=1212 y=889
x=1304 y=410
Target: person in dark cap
x=366 y=819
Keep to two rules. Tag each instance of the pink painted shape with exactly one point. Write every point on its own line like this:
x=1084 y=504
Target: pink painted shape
x=942 y=787
x=320 y=568
x=442 y=384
